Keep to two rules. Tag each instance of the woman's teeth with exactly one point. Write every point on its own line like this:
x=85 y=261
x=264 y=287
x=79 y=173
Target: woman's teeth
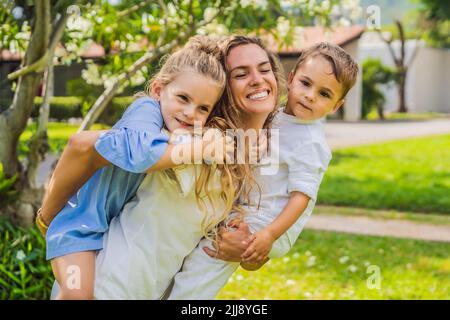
x=259 y=95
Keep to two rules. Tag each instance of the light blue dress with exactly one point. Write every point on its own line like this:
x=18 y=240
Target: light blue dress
x=134 y=144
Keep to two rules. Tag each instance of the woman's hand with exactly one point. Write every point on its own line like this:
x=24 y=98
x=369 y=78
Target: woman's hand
x=260 y=245
x=230 y=244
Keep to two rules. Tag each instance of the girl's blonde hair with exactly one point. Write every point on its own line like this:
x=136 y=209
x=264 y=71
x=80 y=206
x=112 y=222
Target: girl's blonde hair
x=202 y=54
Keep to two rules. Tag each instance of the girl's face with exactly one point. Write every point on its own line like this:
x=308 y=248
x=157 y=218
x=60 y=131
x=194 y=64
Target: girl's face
x=189 y=98
x=251 y=79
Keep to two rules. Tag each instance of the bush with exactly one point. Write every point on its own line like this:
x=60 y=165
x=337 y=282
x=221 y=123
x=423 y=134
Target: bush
x=61 y=108
x=7 y=193
x=24 y=271
x=374 y=73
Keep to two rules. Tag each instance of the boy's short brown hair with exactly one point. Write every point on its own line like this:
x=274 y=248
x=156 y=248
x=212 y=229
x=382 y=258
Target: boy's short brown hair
x=344 y=67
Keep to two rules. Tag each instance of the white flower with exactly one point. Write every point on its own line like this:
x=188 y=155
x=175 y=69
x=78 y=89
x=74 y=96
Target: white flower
x=78 y=23
x=20 y=255
x=172 y=9
x=344 y=259
x=261 y=4
x=239 y=278
x=311 y=261
x=209 y=13
x=256 y=4
x=286 y=259
x=92 y=75
x=352 y=268
x=296 y=255
x=290 y=282
x=245 y=3
x=325 y=5
x=307 y=294
x=283 y=26
x=137 y=79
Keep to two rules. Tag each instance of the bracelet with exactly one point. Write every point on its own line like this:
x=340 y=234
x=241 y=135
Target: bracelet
x=40 y=221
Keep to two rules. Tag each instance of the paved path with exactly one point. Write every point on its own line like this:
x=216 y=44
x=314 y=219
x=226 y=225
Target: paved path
x=379 y=227
x=343 y=134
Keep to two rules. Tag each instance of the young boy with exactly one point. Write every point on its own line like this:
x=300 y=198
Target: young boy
x=317 y=86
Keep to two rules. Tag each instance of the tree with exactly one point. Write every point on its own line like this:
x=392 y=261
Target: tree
x=434 y=19
x=46 y=30
x=374 y=74
x=401 y=65
x=134 y=34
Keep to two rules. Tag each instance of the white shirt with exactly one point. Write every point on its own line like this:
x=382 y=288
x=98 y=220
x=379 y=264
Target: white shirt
x=145 y=246
x=296 y=162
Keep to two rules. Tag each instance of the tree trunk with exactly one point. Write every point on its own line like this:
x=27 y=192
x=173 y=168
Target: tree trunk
x=39 y=144
x=402 y=91
x=380 y=111
x=13 y=121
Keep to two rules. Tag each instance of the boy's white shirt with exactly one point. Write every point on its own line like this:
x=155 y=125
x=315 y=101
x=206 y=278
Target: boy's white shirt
x=302 y=156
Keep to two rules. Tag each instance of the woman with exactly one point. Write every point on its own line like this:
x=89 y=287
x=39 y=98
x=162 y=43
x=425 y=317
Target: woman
x=253 y=96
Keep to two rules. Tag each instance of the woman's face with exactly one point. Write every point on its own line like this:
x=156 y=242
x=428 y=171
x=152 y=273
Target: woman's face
x=251 y=79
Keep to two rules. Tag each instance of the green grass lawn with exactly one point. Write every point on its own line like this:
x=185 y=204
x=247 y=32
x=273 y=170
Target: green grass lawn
x=408 y=175
x=329 y=265
x=397 y=116
x=322 y=265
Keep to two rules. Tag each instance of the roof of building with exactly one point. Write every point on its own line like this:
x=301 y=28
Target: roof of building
x=340 y=36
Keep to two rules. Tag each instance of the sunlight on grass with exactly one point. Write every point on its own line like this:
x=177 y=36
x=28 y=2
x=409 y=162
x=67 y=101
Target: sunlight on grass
x=409 y=175
x=329 y=265
x=58 y=133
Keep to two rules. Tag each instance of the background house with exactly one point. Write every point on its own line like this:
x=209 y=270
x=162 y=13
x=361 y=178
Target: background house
x=347 y=38
x=428 y=76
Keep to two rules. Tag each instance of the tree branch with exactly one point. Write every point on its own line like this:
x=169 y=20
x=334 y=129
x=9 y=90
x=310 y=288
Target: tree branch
x=163 y=34
x=132 y=9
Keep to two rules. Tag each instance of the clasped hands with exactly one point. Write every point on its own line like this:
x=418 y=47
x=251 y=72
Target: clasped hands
x=240 y=245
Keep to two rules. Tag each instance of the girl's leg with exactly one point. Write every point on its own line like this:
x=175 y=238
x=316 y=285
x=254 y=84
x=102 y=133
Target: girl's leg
x=75 y=274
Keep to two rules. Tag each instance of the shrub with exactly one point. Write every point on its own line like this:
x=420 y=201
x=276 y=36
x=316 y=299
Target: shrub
x=7 y=193
x=24 y=271
x=61 y=108
x=374 y=74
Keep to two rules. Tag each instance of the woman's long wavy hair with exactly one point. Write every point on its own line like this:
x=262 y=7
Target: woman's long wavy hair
x=202 y=54
x=233 y=114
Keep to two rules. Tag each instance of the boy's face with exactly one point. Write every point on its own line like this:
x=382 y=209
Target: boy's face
x=189 y=98
x=313 y=90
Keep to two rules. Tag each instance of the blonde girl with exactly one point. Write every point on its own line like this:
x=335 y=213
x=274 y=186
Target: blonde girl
x=185 y=91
